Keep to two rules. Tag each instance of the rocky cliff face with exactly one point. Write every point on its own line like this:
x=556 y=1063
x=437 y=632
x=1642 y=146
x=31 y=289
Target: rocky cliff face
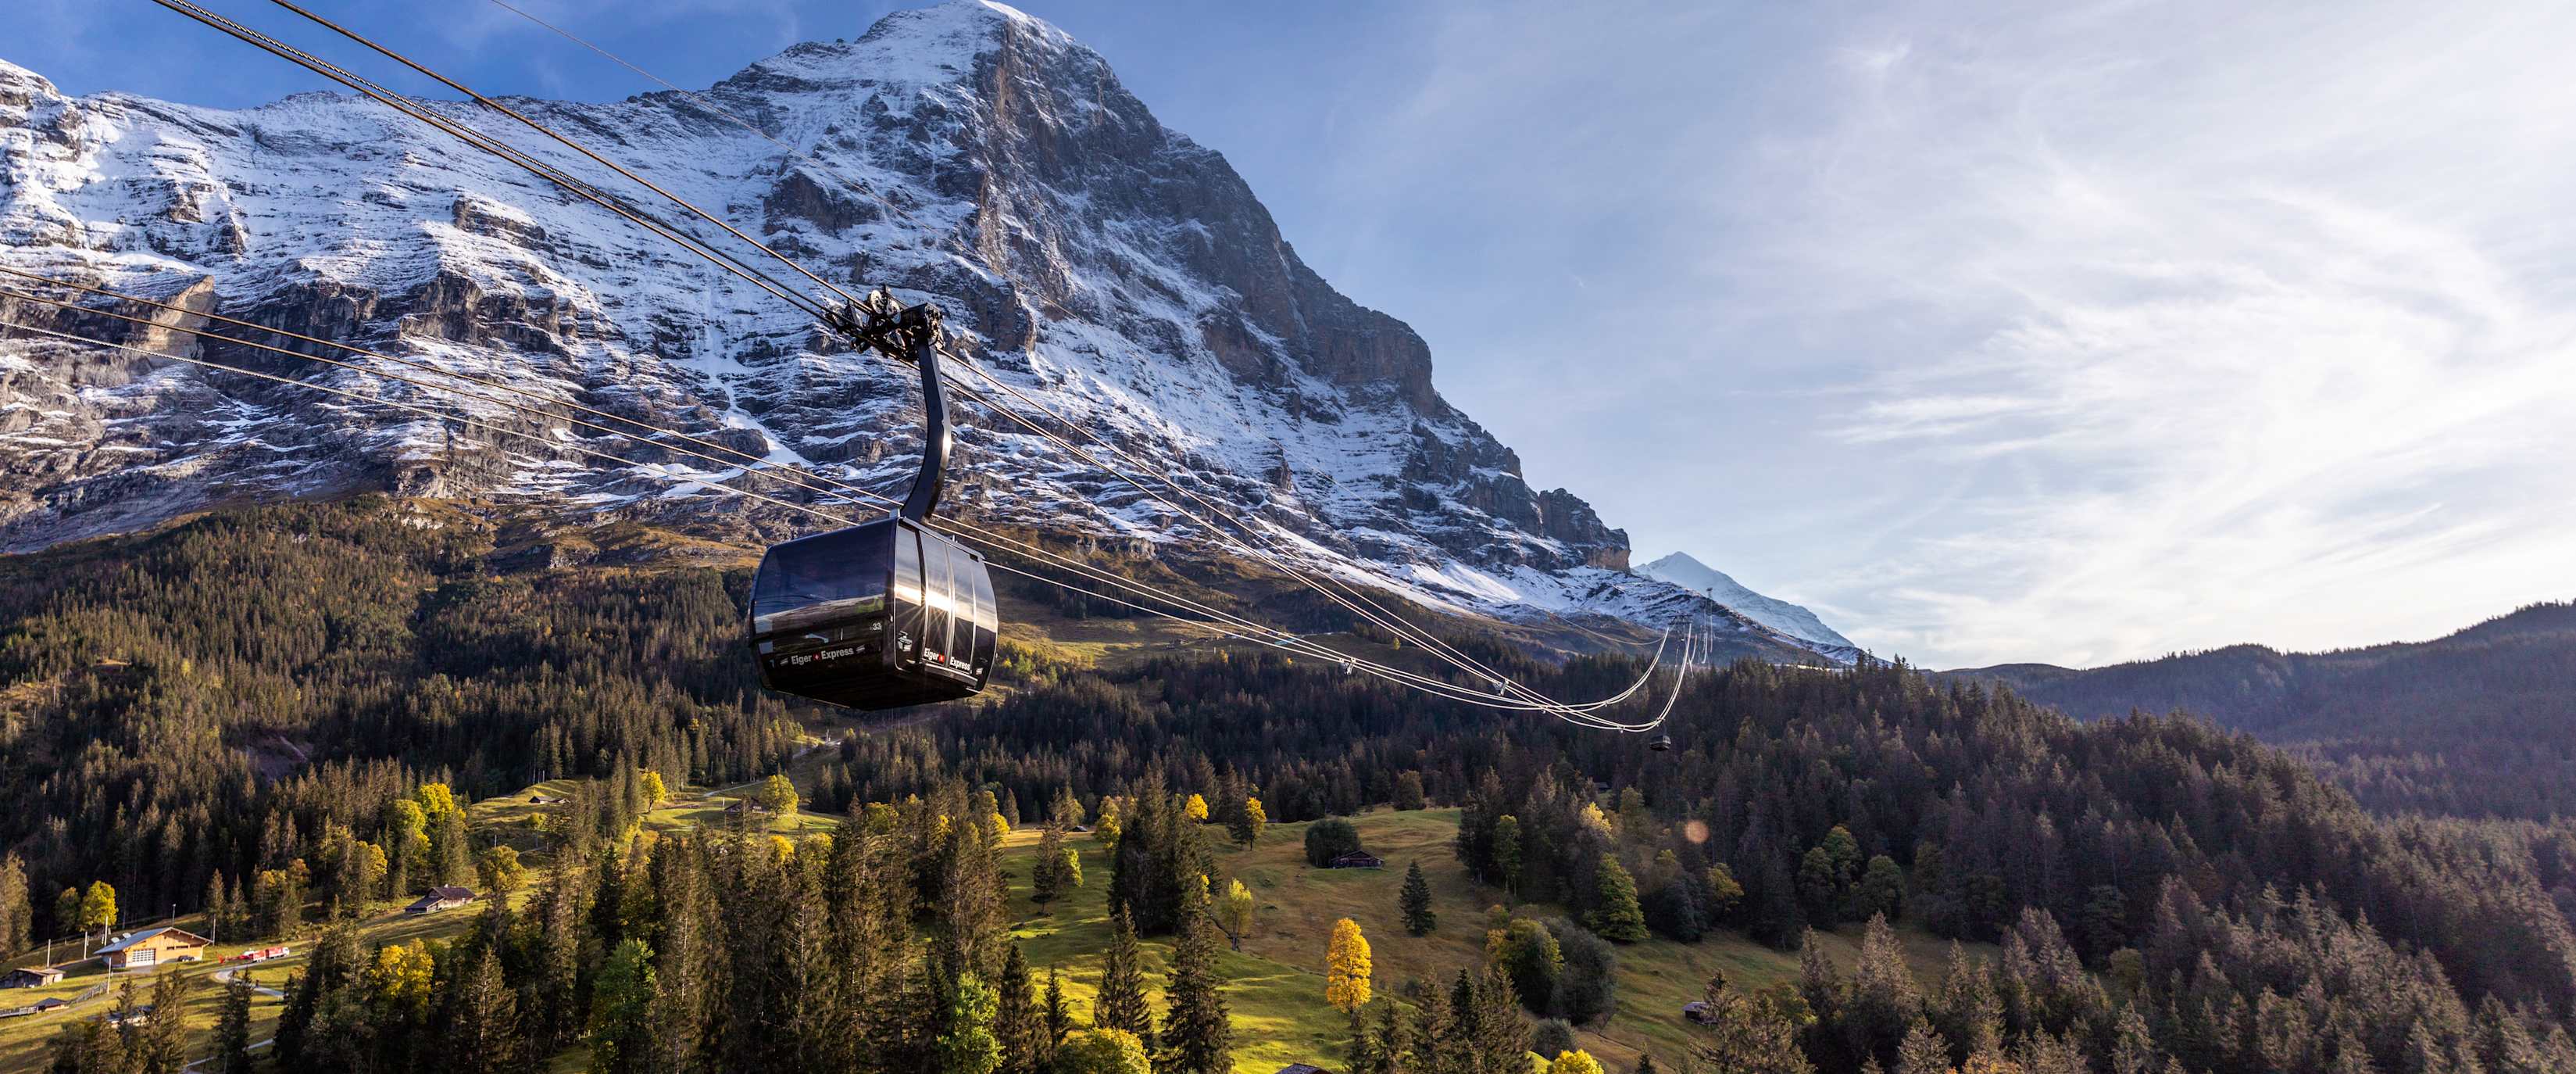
x=965 y=153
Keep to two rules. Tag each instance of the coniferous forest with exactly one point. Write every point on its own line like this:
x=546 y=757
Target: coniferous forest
x=270 y=712
x=2480 y=722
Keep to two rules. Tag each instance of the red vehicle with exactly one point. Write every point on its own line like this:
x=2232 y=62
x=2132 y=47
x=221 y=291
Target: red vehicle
x=260 y=955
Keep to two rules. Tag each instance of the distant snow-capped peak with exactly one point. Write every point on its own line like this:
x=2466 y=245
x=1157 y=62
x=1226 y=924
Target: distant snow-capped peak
x=1791 y=619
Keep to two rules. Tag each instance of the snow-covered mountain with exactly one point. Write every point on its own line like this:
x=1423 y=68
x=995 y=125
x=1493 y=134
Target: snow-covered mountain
x=964 y=153
x=1790 y=619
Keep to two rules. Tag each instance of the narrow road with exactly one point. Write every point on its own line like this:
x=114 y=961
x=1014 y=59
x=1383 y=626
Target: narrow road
x=226 y=977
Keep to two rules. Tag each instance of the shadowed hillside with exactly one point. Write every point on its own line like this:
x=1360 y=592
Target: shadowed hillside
x=2478 y=723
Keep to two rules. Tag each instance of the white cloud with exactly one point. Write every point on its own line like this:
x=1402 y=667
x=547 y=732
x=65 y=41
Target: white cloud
x=2247 y=351
x=2041 y=333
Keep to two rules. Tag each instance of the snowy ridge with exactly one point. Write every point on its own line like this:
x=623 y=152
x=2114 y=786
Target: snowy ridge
x=965 y=154
x=1780 y=615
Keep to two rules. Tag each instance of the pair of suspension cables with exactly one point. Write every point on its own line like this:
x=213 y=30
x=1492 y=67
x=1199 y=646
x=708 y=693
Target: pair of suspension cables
x=1527 y=700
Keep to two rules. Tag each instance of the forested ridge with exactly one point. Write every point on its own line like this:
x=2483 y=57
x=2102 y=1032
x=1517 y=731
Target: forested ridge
x=2165 y=892
x=2481 y=722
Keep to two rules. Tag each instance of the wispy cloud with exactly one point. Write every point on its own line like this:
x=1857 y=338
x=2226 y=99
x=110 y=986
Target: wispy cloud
x=2052 y=332
x=2246 y=349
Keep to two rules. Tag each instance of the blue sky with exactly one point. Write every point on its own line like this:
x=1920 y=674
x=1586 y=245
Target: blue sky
x=1992 y=332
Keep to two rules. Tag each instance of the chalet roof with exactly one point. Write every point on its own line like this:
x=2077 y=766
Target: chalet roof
x=445 y=892
x=136 y=938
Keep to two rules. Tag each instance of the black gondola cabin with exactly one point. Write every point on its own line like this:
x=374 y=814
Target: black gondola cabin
x=887 y=613
x=876 y=616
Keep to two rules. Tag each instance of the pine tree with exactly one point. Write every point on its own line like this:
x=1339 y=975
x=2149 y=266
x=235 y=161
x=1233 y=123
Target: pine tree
x=332 y=968
x=688 y=961
x=484 y=1038
x=1501 y=1035
x=560 y=936
x=1059 y=1014
x=163 y=1048
x=972 y=895
x=232 y=1027
x=1392 y=1041
x=1968 y=1013
x=621 y=1001
x=1047 y=876
x=1746 y=1035
x=1017 y=1020
x=2133 y=1048
x=1415 y=901
x=1507 y=852
x=1435 y=1049
x=1121 y=1001
x=1923 y=1051
x=1819 y=983
x=1884 y=1000
x=450 y=847
x=91 y=1046
x=1198 y=1035
x=17 y=911
x=1617 y=917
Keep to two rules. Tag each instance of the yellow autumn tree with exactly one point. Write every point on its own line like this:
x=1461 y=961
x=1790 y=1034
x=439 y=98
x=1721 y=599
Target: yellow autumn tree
x=1196 y=809
x=401 y=976
x=1346 y=968
x=1577 y=1061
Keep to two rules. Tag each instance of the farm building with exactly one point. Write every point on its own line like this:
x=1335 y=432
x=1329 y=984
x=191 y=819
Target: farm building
x=152 y=947
x=440 y=898
x=32 y=977
x=1357 y=859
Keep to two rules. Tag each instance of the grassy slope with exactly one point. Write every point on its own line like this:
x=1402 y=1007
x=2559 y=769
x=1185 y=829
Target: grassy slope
x=1275 y=984
x=1276 y=988
x=27 y=1043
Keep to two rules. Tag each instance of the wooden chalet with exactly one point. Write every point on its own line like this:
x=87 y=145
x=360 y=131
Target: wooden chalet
x=153 y=947
x=32 y=977
x=440 y=898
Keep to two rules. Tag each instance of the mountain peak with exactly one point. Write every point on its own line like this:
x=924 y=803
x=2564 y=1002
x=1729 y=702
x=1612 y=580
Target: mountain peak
x=1797 y=622
x=967 y=153
x=915 y=47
